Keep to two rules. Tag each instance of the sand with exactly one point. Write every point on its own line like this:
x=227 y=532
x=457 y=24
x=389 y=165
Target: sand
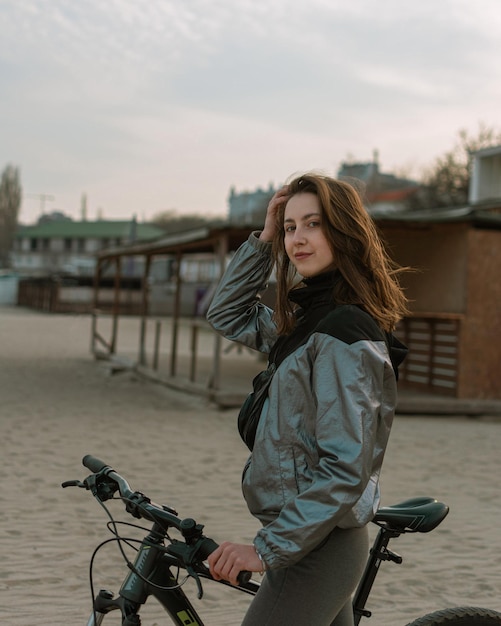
x=58 y=404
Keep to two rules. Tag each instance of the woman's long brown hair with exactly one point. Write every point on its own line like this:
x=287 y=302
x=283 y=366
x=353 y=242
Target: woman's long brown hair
x=368 y=274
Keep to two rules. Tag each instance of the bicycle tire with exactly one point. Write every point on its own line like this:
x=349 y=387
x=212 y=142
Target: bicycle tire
x=460 y=616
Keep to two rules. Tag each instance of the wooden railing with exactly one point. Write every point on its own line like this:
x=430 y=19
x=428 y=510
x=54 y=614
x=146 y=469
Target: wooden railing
x=433 y=360
x=39 y=293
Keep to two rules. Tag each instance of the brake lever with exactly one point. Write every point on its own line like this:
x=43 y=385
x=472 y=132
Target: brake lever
x=194 y=575
x=101 y=489
x=74 y=483
x=187 y=555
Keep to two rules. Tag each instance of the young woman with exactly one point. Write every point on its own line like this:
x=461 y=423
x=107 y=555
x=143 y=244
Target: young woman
x=324 y=406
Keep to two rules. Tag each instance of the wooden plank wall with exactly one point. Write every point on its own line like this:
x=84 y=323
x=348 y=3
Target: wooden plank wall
x=433 y=361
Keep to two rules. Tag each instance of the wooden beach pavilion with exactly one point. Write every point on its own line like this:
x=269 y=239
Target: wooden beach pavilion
x=452 y=333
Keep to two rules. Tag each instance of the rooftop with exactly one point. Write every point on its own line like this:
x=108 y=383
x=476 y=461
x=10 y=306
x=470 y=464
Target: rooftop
x=120 y=229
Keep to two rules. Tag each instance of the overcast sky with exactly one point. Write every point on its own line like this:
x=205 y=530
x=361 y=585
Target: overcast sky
x=155 y=105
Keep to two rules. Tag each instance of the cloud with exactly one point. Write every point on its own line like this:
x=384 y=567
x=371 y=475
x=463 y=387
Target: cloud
x=119 y=96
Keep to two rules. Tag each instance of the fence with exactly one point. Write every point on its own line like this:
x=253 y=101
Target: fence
x=433 y=360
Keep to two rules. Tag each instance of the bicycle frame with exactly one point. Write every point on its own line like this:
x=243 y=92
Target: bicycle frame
x=155 y=565
x=151 y=573
x=154 y=577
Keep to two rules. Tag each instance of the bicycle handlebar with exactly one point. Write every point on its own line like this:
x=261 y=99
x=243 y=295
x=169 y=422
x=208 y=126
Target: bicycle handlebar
x=139 y=505
x=93 y=463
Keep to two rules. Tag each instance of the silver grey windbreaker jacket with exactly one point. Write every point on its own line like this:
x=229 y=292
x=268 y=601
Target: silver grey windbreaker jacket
x=324 y=427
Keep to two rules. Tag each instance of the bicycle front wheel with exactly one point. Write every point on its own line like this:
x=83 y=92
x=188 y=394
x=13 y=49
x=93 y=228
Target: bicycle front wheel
x=460 y=616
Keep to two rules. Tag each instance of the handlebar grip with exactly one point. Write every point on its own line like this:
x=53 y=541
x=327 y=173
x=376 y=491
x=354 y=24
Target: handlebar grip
x=94 y=464
x=208 y=546
x=243 y=577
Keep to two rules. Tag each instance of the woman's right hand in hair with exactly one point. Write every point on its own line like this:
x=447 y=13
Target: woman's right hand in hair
x=270 y=223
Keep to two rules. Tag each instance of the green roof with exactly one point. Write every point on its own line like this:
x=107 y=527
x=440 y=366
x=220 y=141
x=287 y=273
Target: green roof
x=100 y=229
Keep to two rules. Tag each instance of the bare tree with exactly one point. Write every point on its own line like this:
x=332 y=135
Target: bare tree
x=10 y=201
x=447 y=181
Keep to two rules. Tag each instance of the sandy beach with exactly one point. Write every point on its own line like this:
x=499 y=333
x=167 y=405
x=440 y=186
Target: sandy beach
x=58 y=404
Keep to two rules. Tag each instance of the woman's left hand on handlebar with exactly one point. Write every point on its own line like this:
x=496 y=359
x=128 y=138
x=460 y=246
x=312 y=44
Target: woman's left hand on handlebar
x=230 y=559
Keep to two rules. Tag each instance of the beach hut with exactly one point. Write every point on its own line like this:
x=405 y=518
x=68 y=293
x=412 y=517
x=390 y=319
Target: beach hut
x=455 y=291
x=455 y=294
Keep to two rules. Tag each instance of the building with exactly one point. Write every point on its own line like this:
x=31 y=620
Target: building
x=249 y=207
x=456 y=292
x=485 y=186
x=383 y=193
x=64 y=246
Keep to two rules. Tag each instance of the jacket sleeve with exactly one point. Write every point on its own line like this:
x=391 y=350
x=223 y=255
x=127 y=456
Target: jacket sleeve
x=235 y=310
x=351 y=430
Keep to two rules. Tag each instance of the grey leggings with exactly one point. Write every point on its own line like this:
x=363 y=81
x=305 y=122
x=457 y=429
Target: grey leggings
x=316 y=590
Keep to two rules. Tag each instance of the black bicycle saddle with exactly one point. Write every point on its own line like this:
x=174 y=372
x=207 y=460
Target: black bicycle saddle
x=417 y=515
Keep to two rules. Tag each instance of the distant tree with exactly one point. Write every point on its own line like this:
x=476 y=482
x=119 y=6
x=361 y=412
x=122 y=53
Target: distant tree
x=172 y=222
x=10 y=201
x=447 y=181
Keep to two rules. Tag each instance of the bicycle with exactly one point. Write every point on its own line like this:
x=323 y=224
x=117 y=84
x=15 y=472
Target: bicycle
x=159 y=555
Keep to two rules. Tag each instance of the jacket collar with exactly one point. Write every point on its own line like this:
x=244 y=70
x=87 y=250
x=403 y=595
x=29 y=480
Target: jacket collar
x=316 y=290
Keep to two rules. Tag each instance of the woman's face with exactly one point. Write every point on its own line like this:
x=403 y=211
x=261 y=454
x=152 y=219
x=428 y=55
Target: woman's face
x=305 y=243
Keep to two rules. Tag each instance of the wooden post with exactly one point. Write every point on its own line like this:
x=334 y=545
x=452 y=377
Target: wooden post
x=116 y=304
x=175 y=317
x=158 y=326
x=97 y=283
x=142 y=341
x=93 y=332
x=144 y=311
x=95 y=300
x=194 y=343
x=221 y=251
